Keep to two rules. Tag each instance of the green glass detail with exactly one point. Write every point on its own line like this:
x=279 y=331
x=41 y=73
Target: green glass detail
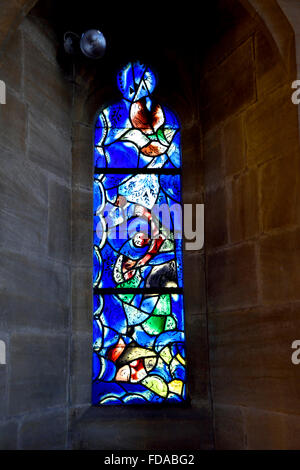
x=161 y=137
x=154 y=325
x=133 y=282
x=167 y=245
x=127 y=298
x=163 y=306
x=170 y=323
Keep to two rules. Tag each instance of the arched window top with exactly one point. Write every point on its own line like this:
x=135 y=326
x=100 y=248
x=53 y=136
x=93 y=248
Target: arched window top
x=148 y=131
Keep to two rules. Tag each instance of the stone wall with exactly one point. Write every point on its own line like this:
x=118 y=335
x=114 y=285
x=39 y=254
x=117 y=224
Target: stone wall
x=251 y=158
x=240 y=156
x=35 y=210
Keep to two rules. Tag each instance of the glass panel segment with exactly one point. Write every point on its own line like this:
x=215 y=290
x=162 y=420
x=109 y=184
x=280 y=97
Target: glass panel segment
x=137 y=231
x=140 y=358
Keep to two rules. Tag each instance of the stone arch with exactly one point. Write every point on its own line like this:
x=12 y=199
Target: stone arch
x=273 y=14
x=279 y=29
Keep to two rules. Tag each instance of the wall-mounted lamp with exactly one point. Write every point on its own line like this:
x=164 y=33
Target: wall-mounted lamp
x=92 y=43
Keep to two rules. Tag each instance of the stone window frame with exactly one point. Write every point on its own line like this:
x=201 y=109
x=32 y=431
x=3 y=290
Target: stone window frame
x=91 y=97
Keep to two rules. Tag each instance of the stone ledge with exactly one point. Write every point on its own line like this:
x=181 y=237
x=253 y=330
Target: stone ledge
x=143 y=428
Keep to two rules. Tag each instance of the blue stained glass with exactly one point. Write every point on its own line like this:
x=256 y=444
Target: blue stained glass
x=134 y=315
x=171 y=119
x=139 y=194
x=117 y=116
x=174 y=152
x=136 y=132
x=171 y=186
x=139 y=350
x=156 y=362
x=100 y=158
x=149 y=303
x=122 y=154
x=113 y=304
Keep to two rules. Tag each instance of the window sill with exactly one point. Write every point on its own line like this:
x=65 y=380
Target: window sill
x=152 y=427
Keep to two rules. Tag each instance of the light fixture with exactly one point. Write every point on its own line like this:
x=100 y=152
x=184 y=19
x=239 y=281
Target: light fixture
x=92 y=43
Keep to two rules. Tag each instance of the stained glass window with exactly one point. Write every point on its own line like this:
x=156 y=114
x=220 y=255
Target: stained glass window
x=139 y=343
